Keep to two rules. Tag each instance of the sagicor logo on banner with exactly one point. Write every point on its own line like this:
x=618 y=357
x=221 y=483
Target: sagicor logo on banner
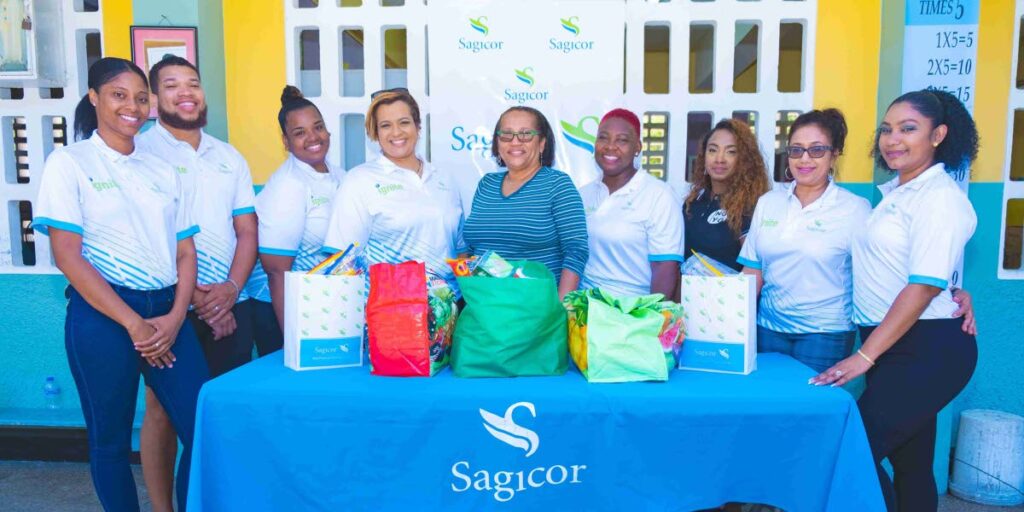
x=570 y=24
x=505 y=429
x=524 y=75
x=578 y=136
x=479 y=26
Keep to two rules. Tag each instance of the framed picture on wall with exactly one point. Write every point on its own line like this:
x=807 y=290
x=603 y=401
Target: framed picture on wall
x=17 y=44
x=150 y=44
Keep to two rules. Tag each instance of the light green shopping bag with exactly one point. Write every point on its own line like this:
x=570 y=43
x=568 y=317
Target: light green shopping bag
x=511 y=326
x=623 y=339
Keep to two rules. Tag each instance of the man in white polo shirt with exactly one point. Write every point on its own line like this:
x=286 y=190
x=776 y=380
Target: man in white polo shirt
x=218 y=178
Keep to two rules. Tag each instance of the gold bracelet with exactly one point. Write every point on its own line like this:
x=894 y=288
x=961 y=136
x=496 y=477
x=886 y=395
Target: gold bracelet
x=866 y=358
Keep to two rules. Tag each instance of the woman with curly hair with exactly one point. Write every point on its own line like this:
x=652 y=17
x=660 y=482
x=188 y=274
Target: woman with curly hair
x=916 y=356
x=728 y=178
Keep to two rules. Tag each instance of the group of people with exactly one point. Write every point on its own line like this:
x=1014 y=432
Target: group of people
x=154 y=228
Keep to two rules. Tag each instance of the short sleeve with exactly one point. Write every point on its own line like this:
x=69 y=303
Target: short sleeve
x=245 y=197
x=60 y=203
x=281 y=209
x=664 y=226
x=748 y=253
x=939 y=230
x=183 y=223
x=350 y=217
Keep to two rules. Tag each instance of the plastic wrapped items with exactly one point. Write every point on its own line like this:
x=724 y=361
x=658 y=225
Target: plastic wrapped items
x=701 y=264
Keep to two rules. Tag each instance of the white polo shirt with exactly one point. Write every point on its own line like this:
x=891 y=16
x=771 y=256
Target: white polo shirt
x=916 y=235
x=293 y=208
x=398 y=216
x=640 y=223
x=131 y=211
x=218 y=179
x=803 y=254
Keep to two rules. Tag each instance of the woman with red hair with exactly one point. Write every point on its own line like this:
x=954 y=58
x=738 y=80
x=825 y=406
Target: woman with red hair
x=634 y=224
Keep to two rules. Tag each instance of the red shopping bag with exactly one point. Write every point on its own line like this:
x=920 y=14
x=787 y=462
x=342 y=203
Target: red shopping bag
x=397 y=320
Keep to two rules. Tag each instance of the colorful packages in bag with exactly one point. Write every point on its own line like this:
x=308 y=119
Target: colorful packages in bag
x=700 y=264
x=720 y=314
x=409 y=320
x=511 y=327
x=623 y=339
x=323 y=321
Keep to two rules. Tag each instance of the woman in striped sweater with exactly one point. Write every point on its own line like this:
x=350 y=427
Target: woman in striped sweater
x=528 y=210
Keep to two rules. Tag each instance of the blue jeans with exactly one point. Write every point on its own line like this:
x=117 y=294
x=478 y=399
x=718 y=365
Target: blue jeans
x=106 y=369
x=819 y=350
x=265 y=329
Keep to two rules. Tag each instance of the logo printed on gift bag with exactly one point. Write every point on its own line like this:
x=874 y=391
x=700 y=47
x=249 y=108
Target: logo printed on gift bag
x=505 y=484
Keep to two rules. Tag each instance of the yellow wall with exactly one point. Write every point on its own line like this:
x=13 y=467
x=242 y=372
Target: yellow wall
x=117 y=17
x=992 y=87
x=254 y=69
x=846 y=76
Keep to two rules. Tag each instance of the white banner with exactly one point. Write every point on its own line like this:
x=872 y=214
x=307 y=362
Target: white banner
x=562 y=57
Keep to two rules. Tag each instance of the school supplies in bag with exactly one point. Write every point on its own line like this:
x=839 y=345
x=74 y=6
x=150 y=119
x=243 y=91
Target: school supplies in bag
x=511 y=327
x=323 y=321
x=410 y=317
x=623 y=339
x=700 y=264
x=720 y=315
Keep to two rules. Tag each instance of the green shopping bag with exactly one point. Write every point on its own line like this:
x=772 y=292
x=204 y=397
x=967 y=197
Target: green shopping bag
x=511 y=326
x=623 y=339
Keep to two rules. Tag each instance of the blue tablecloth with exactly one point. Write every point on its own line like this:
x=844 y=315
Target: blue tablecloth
x=269 y=438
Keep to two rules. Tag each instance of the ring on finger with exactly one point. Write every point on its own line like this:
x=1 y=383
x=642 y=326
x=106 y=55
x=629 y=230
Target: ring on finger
x=838 y=373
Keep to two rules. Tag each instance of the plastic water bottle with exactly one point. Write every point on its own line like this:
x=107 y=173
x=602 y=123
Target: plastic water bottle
x=51 y=392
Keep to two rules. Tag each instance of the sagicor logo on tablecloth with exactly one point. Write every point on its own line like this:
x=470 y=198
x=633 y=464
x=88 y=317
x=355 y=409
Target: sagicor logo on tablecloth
x=505 y=429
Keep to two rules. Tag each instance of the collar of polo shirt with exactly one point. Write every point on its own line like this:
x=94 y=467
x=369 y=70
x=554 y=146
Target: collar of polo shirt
x=110 y=153
x=385 y=164
x=914 y=184
x=828 y=197
x=204 y=140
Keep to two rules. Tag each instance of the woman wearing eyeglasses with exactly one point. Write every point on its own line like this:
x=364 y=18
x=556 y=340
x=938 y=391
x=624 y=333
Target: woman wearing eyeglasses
x=529 y=211
x=799 y=248
x=398 y=206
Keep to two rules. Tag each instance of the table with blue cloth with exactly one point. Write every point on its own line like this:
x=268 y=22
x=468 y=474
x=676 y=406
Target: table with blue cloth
x=269 y=438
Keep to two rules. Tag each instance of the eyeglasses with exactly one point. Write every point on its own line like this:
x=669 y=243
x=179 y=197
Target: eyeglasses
x=400 y=90
x=524 y=136
x=795 y=152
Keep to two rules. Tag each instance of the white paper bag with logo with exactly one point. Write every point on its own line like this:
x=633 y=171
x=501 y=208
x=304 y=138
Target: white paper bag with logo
x=323 y=321
x=720 y=314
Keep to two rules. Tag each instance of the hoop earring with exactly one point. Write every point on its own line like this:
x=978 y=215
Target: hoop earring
x=789 y=175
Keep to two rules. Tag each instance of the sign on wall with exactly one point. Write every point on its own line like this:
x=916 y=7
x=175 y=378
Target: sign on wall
x=940 y=50
x=564 y=58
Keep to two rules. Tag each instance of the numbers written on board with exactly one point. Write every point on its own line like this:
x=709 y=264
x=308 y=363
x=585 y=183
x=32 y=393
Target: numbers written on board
x=942 y=8
x=946 y=66
x=954 y=39
x=963 y=93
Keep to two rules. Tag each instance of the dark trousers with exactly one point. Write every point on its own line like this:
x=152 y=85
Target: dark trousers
x=906 y=389
x=231 y=351
x=106 y=369
x=265 y=329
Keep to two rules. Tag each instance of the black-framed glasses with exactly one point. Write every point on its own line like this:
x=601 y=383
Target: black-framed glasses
x=795 y=152
x=523 y=136
x=401 y=90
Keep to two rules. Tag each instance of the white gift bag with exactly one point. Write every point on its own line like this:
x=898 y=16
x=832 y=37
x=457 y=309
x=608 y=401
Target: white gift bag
x=323 y=321
x=720 y=317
